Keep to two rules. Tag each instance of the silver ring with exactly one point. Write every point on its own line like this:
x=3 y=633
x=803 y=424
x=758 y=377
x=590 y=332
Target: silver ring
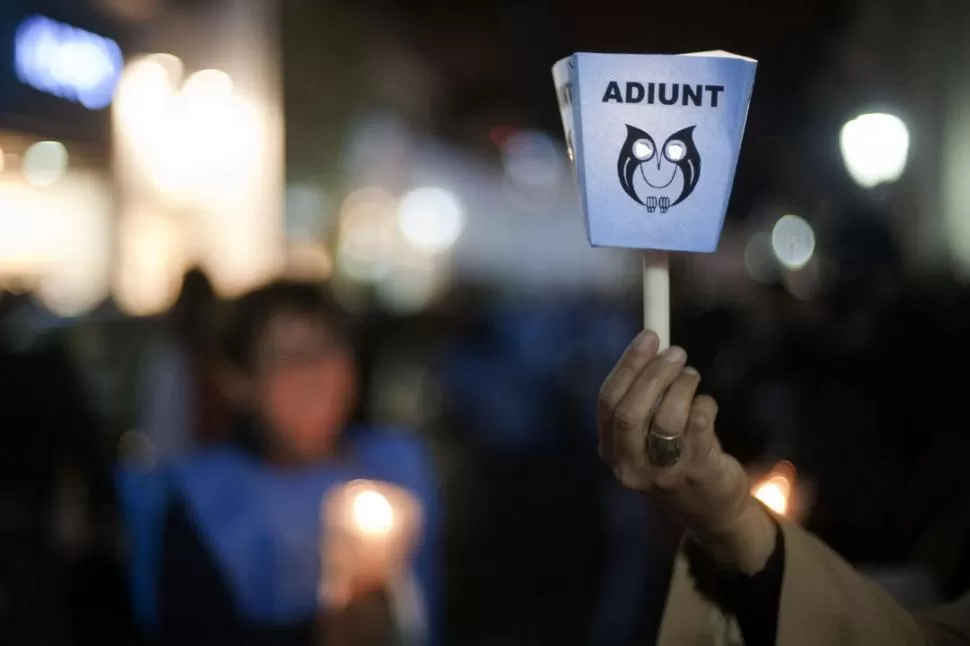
x=664 y=450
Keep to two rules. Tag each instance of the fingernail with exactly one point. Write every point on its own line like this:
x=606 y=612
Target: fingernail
x=691 y=370
x=673 y=354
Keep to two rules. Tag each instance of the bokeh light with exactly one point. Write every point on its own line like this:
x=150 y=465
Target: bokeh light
x=759 y=260
x=373 y=514
x=775 y=490
x=793 y=242
x=59 y=236
x=151 y=263
x=45 y=163
x=172 y=65
x=67 y=62
x=773 y=494
x=875 y=148
x=194 y=140
x=367 y=235
x=308 y=260
x=431 y=219
x=412 y=285
x=207 y=138
x=27 y=220
x=144 y=98
x=209 y=86
x=532 y=158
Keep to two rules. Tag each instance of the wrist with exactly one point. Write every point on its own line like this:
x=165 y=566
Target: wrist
x=743 y=545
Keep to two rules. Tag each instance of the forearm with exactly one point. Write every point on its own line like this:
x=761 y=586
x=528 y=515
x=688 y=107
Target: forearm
x=751 y=594
x=819 y=599
x=745 y=545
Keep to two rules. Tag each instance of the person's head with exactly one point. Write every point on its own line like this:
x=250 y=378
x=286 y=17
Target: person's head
x=192 y=312
x=290 y=354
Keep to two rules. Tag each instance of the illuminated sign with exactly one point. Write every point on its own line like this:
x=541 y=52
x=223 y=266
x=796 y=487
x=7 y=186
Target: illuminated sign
x=67 y=62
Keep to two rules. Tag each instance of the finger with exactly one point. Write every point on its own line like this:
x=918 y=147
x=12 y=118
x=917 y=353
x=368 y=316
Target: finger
x=700 y=444
x=636 y=356
x=674 y=410
x=700 y=425
x=632 y=415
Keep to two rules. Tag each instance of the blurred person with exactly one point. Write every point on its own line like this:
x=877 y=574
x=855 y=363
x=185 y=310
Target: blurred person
x=57 y=565
x=182 y=408
x=743 y=575
x=238 y=556
x=532 y=502
x=849 y=360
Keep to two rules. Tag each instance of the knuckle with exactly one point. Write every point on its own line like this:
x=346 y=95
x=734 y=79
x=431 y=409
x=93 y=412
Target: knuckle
x=626 y=420
x=708 y=403
x=700 y=421
x=704 y=411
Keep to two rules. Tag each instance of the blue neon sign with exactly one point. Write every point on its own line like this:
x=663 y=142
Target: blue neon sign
x=67 y=62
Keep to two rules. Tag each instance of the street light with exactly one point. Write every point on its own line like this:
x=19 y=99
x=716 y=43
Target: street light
x=875 y=147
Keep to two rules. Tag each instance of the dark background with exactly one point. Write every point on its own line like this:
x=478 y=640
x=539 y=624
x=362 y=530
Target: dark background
x=859 y=384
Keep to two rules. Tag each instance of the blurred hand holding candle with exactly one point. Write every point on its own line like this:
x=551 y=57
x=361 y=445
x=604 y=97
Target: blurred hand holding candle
x=654 y=142
x=370 y=530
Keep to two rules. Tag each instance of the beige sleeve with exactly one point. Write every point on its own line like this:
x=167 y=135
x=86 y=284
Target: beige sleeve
x=949 y=625
x=824 y=602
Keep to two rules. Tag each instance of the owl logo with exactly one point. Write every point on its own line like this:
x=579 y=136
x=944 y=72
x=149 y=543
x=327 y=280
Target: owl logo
x=659 y=178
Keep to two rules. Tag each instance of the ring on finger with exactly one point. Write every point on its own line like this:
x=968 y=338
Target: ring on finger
x=664 y=450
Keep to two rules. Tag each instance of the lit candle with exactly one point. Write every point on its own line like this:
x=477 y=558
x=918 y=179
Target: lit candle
x=369 y=530
x=775 y=490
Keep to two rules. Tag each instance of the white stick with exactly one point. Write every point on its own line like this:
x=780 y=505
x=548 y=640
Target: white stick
x=656 y=295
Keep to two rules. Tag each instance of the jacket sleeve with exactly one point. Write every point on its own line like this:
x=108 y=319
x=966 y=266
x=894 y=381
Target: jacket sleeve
x=823 y=602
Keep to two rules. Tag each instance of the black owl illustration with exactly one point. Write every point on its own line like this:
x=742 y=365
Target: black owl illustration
x=659 y=178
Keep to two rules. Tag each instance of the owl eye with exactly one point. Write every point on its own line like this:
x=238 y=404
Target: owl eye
x=675 y=151
x=642 y=149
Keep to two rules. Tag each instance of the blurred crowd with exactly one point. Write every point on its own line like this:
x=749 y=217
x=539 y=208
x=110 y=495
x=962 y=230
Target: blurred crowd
x=535 y=544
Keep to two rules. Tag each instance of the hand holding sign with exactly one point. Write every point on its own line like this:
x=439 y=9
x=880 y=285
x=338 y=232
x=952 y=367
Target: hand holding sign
x=654 y=141
x=705 y=488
